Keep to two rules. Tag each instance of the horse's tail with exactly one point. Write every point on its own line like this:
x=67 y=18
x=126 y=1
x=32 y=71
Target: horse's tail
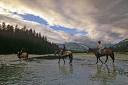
x=113 y=56
x=27 y=55
x=72 y=55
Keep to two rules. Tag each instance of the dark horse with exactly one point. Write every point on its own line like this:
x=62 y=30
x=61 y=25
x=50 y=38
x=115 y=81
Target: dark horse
x=105 y=52
x=64 y=55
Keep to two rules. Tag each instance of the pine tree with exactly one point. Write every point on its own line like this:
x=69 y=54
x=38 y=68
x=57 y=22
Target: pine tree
x=14 y=38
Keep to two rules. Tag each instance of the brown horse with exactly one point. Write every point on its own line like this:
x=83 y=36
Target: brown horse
x=23 y=55
x=64 y=55
x=105 y=52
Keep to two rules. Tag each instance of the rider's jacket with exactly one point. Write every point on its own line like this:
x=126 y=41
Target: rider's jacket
x=100 y=46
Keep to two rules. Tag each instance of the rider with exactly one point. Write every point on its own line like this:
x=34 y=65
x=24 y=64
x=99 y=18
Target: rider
x=100 y=47
x=21 y=51
x=64 y=49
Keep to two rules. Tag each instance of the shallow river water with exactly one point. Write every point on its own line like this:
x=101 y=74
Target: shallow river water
x=83 y=71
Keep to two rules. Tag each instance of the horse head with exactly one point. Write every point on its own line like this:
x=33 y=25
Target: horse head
x=18 y=54
x=93 y=50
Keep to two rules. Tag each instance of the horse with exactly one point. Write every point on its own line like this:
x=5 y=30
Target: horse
x=65 y=54
x=105 y=52
x=23 y=55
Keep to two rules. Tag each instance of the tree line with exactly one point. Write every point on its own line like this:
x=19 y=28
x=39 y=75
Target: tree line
x=14 y=38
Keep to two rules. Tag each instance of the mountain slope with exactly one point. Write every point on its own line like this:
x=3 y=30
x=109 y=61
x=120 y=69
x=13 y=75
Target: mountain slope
x=121 y=46
x=76 y=47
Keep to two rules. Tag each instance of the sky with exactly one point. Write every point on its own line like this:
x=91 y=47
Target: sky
x=70 y=20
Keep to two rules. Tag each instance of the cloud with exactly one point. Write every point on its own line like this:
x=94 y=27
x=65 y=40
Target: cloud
x=53 y=35
x=104 y=20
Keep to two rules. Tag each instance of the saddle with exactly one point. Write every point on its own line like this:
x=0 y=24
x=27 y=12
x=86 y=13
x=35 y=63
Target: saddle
x=102 y=52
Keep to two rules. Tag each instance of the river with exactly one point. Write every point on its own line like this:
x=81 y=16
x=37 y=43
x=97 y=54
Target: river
x=83 y=71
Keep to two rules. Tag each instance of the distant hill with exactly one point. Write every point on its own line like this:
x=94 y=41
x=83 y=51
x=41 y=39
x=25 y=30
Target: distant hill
x=76 y=47
x=81 y=47
x=94 y=44
x=121 y=46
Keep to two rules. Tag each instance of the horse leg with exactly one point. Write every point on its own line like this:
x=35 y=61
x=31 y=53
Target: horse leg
x=106 y=59
x=100 y=60
x=97 y=60
x=59 y=60
x=70 y=58
x=63 y=60
x=112 y=57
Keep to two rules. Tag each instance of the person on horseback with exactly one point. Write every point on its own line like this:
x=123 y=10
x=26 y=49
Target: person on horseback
x=64 y=49
x=100 y=47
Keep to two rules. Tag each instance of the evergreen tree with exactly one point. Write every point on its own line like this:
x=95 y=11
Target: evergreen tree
x=13 y=39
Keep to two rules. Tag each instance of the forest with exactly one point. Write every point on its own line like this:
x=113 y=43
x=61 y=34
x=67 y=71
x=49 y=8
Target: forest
x=15 y=38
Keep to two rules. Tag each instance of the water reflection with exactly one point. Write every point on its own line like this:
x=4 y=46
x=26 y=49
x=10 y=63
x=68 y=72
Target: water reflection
x=49 y=72
x=66 y=69
x=104 y=73
x=10 y=73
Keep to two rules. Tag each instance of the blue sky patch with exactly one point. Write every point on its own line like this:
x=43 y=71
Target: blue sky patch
x=68 y=30
x=30 y=17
